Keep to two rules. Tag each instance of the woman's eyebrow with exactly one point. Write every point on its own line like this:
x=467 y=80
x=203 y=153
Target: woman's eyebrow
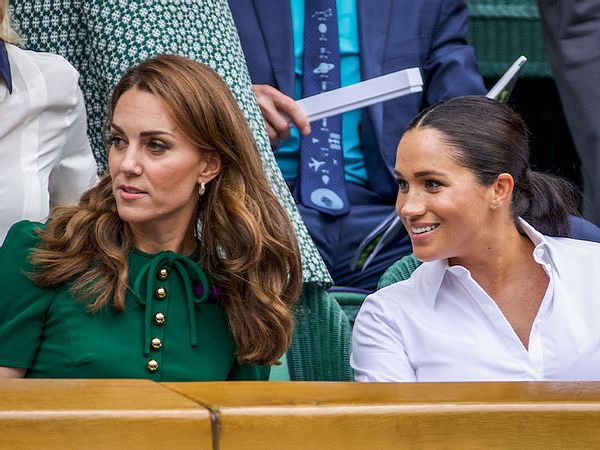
x=155 y=133
x=424 y=173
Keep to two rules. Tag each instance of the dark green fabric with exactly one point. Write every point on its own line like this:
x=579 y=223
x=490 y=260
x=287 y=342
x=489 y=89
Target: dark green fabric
x=400 y=270
x=320 y=349
x=51 y=334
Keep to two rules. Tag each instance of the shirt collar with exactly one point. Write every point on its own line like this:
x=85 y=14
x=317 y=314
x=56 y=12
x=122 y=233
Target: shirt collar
x=5 y=66
x=435 y=271
x=433 y=274
x=543 y=251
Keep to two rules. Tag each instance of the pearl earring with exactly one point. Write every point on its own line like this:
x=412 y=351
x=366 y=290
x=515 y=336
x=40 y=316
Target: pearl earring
x=201 y=188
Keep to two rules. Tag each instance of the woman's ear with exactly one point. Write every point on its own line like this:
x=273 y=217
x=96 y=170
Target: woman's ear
x=212 y=167
x=502 y=190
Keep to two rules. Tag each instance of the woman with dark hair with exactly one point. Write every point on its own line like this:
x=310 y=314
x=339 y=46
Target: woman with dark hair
x=127 y=284
x=496 y=298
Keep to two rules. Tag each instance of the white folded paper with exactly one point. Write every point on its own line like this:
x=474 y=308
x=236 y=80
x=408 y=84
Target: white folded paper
x=365 y=93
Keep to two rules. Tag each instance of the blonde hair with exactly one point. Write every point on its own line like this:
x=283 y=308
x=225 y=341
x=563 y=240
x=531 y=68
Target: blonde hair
x=247 y=241
x=7 y=33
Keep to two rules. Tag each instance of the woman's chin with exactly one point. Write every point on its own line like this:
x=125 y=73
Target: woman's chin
x=426 y=254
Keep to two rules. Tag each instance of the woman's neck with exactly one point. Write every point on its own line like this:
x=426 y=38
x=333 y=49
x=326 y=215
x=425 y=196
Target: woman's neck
x=508 y=250
x=155 y=241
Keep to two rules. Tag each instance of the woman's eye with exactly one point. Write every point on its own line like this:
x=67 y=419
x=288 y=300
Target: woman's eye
x=157 y=146
x=116 y=141
x=432 y=184
x=402 y=184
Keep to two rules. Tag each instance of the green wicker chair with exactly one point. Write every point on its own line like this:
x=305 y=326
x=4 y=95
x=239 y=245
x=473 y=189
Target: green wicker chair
x=400 y=270
x=349 y=299
x=320 y=349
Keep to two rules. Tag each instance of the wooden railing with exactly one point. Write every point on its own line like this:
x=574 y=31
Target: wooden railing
x=136 y=414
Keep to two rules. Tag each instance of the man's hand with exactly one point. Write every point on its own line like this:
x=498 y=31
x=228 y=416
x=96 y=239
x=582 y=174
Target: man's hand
x=278 y=110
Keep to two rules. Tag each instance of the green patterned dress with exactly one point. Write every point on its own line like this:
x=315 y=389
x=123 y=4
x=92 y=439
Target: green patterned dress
x=102 y=38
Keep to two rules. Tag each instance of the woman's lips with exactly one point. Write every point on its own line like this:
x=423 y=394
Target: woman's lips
x=131 y=192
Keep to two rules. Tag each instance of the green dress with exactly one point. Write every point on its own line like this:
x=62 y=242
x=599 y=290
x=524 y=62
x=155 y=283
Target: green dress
x=173 y=328
x=102 y=38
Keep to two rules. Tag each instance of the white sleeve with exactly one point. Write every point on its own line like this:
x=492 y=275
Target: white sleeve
x=378 y=352
x=75 y=171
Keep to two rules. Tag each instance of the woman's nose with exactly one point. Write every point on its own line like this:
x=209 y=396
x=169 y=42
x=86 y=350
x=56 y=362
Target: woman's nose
x=410 y=204
x=131 y=162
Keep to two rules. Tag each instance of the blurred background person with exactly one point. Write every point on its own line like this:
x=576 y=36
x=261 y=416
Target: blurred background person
x=179 y=265
x=571 y=32
x=45 y=156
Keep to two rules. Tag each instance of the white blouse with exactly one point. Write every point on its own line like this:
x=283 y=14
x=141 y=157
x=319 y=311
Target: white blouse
x=45 y=156
x=440 y=325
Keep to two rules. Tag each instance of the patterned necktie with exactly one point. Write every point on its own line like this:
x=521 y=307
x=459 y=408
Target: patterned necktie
x=321 y=170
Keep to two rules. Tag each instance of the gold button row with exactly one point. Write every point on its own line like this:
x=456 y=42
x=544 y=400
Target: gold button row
x=159 y=319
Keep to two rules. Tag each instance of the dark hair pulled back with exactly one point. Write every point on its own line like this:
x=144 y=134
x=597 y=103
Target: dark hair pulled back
x=489 y=138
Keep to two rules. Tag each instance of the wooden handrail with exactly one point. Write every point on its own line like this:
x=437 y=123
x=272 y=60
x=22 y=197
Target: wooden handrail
x=99 y=414
x=136 y=414
x=395 y=416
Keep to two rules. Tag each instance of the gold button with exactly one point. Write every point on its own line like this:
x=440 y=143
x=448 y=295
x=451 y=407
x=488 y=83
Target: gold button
x=152 y=366
x=163 y=274
x=161 y=293
x=159 y=318
x=156 y=343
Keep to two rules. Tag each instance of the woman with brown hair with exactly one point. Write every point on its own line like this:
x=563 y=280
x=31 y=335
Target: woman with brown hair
x=180 y=265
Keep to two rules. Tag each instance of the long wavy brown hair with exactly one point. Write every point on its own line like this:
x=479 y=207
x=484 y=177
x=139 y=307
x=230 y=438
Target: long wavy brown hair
x=247 y=242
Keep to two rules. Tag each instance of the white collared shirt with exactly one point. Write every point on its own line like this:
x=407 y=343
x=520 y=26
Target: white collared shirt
x=45 y=156
x=440 y=325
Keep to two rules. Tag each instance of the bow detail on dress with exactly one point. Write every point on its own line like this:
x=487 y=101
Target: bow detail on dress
x=184 y=266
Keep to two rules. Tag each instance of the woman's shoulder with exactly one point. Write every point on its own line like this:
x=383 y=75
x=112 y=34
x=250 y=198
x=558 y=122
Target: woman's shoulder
x=573 y=248
x=22 y=239
x=59 y=74
x=44 y=60
x=22 y=235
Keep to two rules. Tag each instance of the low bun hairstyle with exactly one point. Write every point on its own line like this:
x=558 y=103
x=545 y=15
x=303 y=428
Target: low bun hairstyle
x=489 y=138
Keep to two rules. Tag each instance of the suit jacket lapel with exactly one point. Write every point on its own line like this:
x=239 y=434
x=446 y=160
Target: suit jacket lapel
x=276 y=24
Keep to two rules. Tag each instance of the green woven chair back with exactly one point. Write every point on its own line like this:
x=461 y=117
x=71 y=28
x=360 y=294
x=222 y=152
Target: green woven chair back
x=349 y=299
x=320 y=349
x=501 y=30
